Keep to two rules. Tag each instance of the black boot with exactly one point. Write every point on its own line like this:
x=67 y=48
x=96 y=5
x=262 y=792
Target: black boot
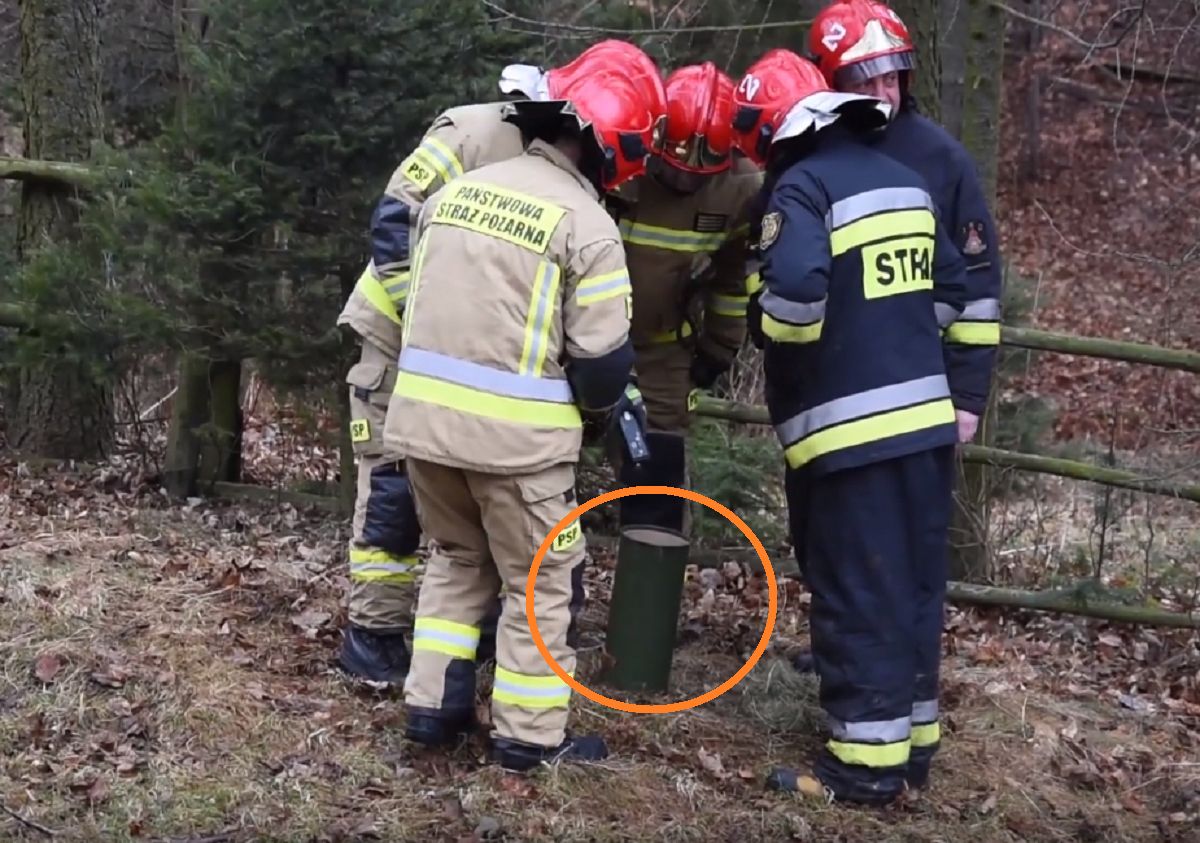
x=803 y=662
x=437 y=728
x=519 y=756
x=377 y=655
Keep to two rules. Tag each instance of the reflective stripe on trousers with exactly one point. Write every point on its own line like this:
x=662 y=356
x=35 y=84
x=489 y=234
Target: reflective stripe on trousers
x=881 y=743
x=926 y=731
x=376 y=565
x=521 y=689
x=449 y=638
x=481 y=390
x=866 y=417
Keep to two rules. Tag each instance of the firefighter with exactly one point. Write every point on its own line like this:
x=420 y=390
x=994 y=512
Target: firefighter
x=684 y=228
x=859 y=279
x=385 y=531
x=515 y=342
x=862 y=46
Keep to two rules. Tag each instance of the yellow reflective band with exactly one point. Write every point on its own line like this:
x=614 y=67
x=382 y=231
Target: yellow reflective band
x=754 y=283
x=360 y=430
x=374 y=293
x=673 y=239
x=673 y=336
x=783 y=332
x=871 y=754
x=444 y=156
x=600 y=288
x=380 y=566
x=504 y=214
x=568 y=538
x=926 y=734
x=418 y=259
x=476 y=402
x=973 y=333
x=521 y=689
x=396 y=286
x=730 y=305
x=541 y=318
x=881 y=227
x=894 y=267
x=450 y=638
x=871 y=429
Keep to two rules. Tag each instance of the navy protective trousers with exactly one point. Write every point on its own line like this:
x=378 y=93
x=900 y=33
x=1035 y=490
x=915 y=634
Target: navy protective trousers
x=875 y=548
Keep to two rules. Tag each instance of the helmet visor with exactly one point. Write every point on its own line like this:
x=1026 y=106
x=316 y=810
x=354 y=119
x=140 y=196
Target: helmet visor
x=861 y=71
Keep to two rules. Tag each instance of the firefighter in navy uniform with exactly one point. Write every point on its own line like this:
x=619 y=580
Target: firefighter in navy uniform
x=859 y=280
x=863 y=47
x=385 y=531
x=516 y=335
x=685 y=229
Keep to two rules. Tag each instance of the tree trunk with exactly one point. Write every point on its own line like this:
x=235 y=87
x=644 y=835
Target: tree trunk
x=953 y=57
x=970 y=559
x=922 y=17
x=204 y=441
x=62 y=406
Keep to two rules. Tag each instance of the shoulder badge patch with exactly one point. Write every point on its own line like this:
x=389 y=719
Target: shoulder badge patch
x=709 y=223
x=770 y=229
x=973 y=238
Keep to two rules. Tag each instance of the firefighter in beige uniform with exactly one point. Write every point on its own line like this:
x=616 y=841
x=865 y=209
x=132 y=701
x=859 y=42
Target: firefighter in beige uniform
x=386 y=533
x=516 y=336
x=684 y=228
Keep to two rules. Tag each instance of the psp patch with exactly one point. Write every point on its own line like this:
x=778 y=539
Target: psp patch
x=709 y=223
x=973 y=241
x=770 y=229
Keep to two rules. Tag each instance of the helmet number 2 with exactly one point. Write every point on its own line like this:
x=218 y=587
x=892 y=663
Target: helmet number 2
x=834 y=35
x=749 y=86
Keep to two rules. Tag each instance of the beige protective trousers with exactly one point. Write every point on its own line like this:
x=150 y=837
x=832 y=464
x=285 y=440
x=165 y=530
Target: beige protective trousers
x=385 y=533
x=483 y=532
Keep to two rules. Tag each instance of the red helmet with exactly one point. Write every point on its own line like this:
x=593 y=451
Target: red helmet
x=765 y=94
x=699 y=130
x=622 y=117
x=855 y=40
x=616 y=56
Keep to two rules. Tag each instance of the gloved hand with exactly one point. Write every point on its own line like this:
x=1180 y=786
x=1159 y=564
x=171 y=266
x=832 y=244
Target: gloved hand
x=706 y=369
x=618 y=443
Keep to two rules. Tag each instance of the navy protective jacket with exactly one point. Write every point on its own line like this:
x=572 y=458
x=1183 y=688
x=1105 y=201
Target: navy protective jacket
x=859 y=279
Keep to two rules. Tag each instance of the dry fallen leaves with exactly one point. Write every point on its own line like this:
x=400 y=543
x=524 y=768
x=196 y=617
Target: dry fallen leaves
x=47 y=667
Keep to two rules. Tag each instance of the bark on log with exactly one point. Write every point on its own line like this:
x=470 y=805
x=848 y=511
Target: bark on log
x=55 y=172
x=1128 y=352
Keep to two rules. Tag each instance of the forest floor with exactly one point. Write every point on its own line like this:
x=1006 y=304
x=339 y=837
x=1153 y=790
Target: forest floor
x=165 y=674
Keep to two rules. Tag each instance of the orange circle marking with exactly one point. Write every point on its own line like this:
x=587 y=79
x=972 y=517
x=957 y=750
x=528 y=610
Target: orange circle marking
x=658 y=708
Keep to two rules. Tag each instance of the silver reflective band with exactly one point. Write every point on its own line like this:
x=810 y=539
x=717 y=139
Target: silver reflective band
x=846 y=211
x=945 y=314
x=548 y=691
x=586 y=292
x=418 y=361
x=872 y=731
x=861 y=404
x=450 y=166
x=390 y=567
x=547 y=275
x=445 y=637
x=925 y=711
x=982 y=310
x=796 y=313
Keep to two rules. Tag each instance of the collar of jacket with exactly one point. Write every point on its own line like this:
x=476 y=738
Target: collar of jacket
x=548 y=151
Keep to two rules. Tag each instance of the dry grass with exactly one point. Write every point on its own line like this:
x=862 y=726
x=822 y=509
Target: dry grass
x=164 y=674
